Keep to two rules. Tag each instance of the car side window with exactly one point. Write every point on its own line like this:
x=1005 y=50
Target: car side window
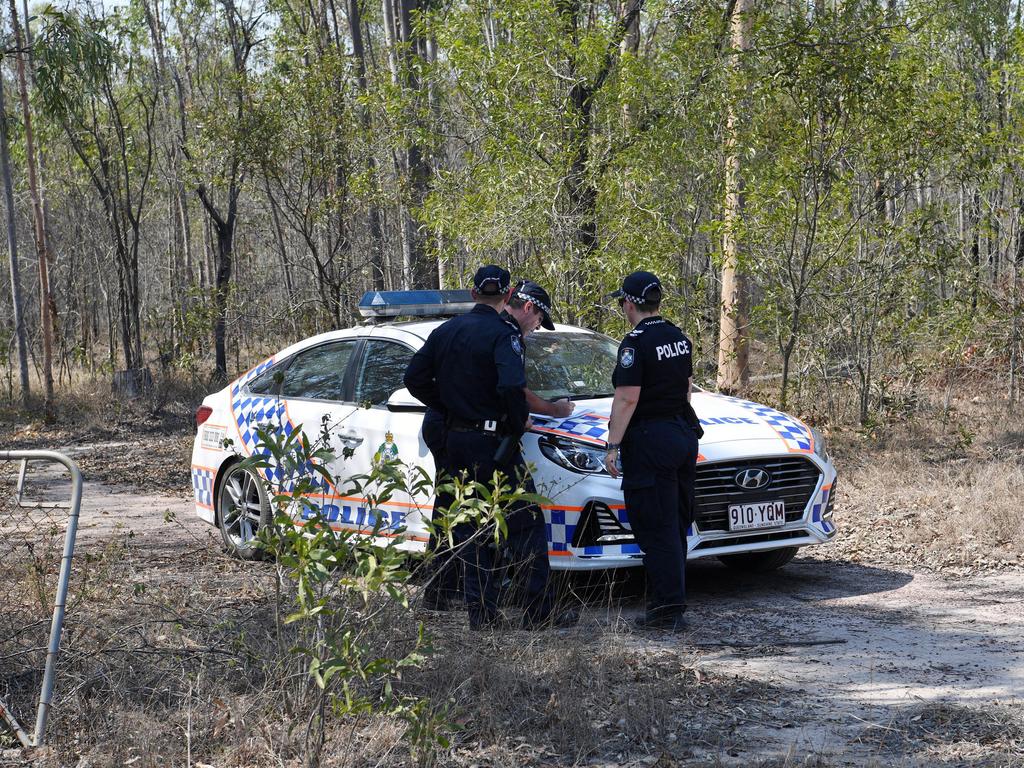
x=384 y=364
x=266 y=382
x=319 y=373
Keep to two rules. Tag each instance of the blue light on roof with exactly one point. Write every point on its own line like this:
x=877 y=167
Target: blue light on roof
x=382 y=304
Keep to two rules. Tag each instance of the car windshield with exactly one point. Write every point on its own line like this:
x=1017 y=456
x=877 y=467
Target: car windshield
x=575 y=365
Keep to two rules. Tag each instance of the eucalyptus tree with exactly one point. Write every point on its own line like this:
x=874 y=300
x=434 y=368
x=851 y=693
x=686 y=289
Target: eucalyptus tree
x=734 y=321
x=97 y=84
x=35 y=191
x=12 y=252
x=224 y=135
x=581 y=155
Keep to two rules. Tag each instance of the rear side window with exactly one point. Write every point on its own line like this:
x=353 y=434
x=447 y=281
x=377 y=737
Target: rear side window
x=319 y=373
x=266 y=383
x=382 y=371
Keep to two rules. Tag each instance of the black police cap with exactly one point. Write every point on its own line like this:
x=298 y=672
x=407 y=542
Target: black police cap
x=527 y=290
x=491 y=280
x=639 y=288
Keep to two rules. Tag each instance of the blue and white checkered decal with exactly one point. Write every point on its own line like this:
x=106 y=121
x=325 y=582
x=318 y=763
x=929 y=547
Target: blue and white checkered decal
x=794 y=434
x=587 y=427
x=253 y=411
x=819 y=507
x=202 y=486
x=562 y=528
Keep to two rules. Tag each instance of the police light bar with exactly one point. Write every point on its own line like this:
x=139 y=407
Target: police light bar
x=382 y=304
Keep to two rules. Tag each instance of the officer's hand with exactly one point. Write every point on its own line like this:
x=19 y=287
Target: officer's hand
x=563 y=407
x=528 y=425
x=611 y=459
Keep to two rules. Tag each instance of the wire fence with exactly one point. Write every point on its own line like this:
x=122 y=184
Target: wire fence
x=38 y=525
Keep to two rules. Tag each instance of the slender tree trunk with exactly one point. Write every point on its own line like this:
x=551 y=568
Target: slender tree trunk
x=404 y=44
x=580 y=182
x=224 y=228
x=373 y=210
x=54 y=318
x=42 y=247
x=733 y=340
x=12 y=248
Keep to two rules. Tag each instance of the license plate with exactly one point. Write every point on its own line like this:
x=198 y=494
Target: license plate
x=761 y=514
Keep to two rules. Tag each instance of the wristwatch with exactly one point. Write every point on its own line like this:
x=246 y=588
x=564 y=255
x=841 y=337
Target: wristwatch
x=613 y=446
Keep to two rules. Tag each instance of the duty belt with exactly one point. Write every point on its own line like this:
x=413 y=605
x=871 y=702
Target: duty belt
x=487 y=426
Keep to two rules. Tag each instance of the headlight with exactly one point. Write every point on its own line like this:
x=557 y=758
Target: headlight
x=819 y=445
x=573 y=455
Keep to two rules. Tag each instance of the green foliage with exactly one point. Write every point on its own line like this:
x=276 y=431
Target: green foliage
x=348 y=593
x=341 y=584
x=75 y=56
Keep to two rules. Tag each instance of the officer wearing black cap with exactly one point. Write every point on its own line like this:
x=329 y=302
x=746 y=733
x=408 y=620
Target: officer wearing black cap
x=471 y=368
x=525 y=550
x=528 y=307
x=652 y=432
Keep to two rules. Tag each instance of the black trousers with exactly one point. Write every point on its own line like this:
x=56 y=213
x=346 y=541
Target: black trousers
x=445 y=582
x=659 y=470
x=525 y=548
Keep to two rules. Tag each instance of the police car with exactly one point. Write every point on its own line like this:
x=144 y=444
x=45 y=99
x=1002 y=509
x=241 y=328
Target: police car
x=765 y=484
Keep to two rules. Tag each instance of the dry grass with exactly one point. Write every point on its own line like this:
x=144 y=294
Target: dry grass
x=941 y=489
x=949 y=734
x=170 y=656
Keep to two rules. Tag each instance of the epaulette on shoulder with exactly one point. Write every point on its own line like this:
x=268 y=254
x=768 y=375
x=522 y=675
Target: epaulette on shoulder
x=635 y=332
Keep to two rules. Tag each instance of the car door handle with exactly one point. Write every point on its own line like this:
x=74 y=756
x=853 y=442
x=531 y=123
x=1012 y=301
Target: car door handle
x=349 y=436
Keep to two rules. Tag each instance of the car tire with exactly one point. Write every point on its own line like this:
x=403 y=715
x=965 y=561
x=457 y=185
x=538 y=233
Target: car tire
x=759 y=562
x=243 y=508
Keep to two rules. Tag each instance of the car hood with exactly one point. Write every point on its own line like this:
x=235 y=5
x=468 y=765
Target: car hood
x=724 y=418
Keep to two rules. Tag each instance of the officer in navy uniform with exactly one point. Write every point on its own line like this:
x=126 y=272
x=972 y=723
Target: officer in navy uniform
x=525 y=551
x=528 y=308
x=652 y=431
x=471 y=368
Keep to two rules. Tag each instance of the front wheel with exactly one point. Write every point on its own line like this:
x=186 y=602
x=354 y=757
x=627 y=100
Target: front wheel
x=758 y=562
x=242 y=510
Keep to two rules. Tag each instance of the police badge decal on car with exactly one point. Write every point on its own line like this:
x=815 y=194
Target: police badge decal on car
x=626 y=357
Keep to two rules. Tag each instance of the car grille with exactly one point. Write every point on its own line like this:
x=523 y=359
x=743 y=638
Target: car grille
x=794 y=479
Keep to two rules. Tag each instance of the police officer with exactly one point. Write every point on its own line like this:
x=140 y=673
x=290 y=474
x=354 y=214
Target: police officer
x=525 y=550
x=471 y=368
x=652 y=433
x=528 y=308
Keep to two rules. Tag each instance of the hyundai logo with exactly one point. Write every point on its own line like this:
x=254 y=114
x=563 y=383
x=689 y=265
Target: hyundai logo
x=752 y=479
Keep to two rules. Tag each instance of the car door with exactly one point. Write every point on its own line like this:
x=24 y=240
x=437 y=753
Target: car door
x=316 y=389
x=391 y=434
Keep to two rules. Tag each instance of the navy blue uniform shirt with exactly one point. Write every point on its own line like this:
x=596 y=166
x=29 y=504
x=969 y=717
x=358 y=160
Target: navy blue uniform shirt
x=472 y=367
x=657 y=357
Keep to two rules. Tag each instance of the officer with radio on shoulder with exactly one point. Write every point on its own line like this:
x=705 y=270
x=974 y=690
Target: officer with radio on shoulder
x=471 y=368
x=652 y=445
x=528 y=308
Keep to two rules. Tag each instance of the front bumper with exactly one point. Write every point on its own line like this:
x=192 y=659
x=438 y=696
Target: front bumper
x=596 y=535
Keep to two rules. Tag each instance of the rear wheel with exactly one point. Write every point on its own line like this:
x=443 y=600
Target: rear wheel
x=242 y=510
x=756 y=562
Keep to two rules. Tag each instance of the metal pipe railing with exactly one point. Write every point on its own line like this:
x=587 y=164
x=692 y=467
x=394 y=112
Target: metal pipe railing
x=60 y=602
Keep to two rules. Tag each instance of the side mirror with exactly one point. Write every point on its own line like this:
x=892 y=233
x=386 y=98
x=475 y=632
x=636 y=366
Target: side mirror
x=402 y=400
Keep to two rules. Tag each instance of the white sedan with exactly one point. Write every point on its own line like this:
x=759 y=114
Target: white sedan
x=765 y=485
